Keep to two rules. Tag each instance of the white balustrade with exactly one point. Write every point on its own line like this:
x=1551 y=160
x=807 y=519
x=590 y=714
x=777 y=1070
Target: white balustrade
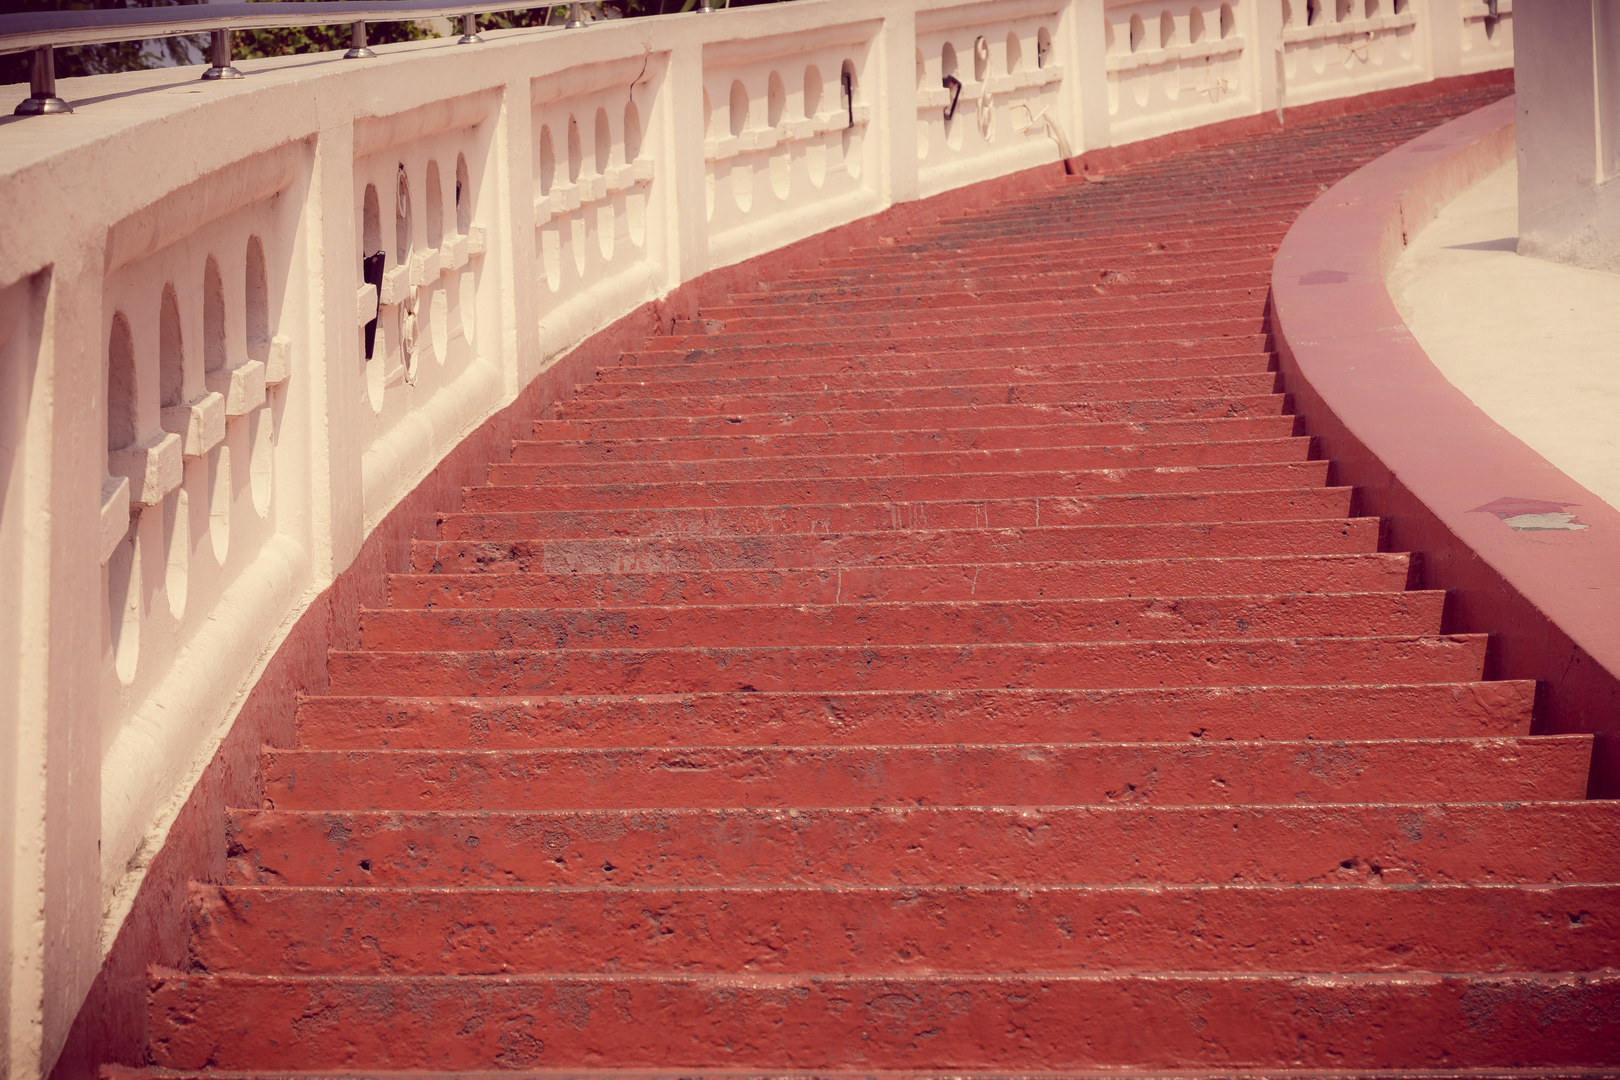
x=1174 y=68
x=195 y=440
x=1333 y=48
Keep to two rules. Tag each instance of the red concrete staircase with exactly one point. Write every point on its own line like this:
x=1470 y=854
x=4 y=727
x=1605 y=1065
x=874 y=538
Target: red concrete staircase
x=949 y=659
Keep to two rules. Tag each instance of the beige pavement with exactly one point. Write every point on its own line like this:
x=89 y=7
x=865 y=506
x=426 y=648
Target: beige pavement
x=1535 y=344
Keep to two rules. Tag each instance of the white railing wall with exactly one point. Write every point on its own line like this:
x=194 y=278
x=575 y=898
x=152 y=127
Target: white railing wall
x=194 y=441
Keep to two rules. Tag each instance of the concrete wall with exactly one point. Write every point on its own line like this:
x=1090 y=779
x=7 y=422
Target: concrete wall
x=1567 y=77
x=194 y=443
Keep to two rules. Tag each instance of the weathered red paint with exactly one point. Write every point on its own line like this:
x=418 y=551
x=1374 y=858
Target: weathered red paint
x=1009 y=692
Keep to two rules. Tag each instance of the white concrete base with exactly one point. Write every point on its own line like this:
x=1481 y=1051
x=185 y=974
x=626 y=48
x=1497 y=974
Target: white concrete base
x=1535 y=344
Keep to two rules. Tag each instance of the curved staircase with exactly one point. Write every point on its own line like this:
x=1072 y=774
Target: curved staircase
x=950 y=659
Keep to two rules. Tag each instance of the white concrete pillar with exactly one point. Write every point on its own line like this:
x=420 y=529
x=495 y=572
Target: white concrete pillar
x=1442 y=28
x=1088 y=82
x=895 y=118
x=337 y=368
x=1567 y=73
x=685 y=152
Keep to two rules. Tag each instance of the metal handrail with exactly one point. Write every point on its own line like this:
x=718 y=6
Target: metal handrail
x=45 y=31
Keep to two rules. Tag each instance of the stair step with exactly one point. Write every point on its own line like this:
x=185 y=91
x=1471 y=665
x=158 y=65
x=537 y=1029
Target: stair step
x=811 y=374
x=918 y=354
x=1541 y=843
x=654 y=403
x=1060 y=666
x=723 y=445
x=1382 y=711
x=535 y=494
x=954 y=416
x=757 y=520
x=909 y=547
x=939 y=1022
x=1029 y=774
x=1008 y=460
x=895 y=932
x=1372 y=572
x=1073 y=620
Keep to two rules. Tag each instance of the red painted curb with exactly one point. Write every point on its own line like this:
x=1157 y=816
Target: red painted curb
x=1429 y=461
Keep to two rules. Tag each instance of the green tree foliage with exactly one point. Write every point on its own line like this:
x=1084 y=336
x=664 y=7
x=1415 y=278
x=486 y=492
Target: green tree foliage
x=101 y=59
x=134 y=55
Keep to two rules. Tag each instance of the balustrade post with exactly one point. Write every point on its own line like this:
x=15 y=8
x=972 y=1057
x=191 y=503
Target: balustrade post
x=219 y=50
x=357 y=44
x=42 y=99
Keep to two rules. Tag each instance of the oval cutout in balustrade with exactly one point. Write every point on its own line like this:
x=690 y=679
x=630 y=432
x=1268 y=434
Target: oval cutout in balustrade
x=1043 y=45
x=1228 y=21
x=1015 y=52
x=739 y=107
x=435 y=206
x=171 y=352
x=176 y=549
x=632 y=132
x=1343 y=10
x=576 y=151
x=812 y=89
x=1167 y=30
x=261 y=455
x=121 y=411
x=848 y=86
x=214 y=352
x=602 y=138
x=547 y=173
x=1195 y=25
x=402 y=216
x=463 y=196
x=1138 y=32
x=124 y=605
x=256 y=298
x=219 y=502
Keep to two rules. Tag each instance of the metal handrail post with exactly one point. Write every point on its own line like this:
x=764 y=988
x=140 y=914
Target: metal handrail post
x=357 y=43
x=42 y=97
x=219 y=49
x=469 y=31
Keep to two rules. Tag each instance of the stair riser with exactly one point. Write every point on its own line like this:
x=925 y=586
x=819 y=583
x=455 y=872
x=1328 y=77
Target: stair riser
x=996 y=581
x=913 y=547
x=538 y=494
x=977 y=416
x=977 y=622
x=1316 y=712
x=1541 y=843
x=1101 y=666
x=815 y=373
x=1249 y=271
x=1026 y=315
x=654 y=401
x=1059 y=278
x=246 y=930
x=1155 y=774
x=875 y=516
x=1130 y=455
x=910 y=355
x=968 y=334
x=939 y=440
x=1249 y=301
x=941 y=1023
